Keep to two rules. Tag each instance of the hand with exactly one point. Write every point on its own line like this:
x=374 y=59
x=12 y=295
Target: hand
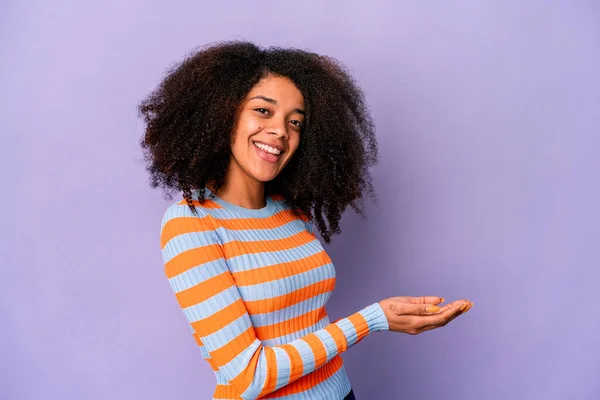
x=414 y=315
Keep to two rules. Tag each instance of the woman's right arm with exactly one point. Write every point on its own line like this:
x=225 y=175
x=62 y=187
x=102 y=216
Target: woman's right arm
x=210 y=300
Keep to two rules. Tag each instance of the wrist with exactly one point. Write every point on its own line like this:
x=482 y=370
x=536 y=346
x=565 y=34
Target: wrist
x=376 y=318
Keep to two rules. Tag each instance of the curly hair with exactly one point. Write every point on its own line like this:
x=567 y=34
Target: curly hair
x=190 y=117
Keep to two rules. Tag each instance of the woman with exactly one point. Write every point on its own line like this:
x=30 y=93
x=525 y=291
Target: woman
x=265 y=144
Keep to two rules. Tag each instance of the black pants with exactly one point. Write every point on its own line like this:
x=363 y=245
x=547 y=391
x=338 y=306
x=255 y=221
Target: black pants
x=350 y=396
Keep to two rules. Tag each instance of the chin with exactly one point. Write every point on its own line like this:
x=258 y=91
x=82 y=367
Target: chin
x=264 y=179
x=263 y=175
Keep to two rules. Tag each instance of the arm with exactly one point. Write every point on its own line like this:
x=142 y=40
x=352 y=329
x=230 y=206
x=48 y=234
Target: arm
x=206 y=292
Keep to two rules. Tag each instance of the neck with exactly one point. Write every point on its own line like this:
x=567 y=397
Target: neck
x=241 y=190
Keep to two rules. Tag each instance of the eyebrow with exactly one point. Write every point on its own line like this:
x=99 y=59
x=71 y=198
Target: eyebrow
x=273 y=101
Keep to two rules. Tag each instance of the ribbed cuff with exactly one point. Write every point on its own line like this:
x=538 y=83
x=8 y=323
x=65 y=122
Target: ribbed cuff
x=375 y=318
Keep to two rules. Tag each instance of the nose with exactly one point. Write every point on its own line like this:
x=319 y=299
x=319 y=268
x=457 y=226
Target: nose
x=278 y=128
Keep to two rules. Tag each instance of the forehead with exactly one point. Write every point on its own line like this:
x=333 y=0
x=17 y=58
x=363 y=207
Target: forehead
x=279 y=88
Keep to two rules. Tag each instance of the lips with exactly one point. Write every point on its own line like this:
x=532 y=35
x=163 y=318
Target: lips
x=274 y=145
x=266 y=156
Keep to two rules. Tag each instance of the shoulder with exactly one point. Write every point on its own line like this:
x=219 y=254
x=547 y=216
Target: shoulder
x=180 y=209
x=179 y=217
x=179 y=222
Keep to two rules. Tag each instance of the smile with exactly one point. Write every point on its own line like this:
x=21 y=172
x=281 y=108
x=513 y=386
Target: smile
x=268 y=149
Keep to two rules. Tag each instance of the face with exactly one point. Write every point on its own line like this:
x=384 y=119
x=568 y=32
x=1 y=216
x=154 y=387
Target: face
x=267 y=131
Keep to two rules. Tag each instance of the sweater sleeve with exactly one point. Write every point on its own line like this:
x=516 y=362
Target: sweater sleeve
x=206 y=291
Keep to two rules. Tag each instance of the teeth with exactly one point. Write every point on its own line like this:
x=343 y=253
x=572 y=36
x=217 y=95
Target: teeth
x=268 y=149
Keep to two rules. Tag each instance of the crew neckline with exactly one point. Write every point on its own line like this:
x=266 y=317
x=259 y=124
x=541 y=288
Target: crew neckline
x=267 y=211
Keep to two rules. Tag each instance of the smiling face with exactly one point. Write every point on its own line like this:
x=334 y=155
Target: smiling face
x=267 y=130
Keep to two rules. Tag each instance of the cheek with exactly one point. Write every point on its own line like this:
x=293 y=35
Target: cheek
x=247 y=125
x=295 y=144
x=243 y=131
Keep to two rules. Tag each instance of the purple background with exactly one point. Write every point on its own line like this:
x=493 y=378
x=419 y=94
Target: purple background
x=488 y=114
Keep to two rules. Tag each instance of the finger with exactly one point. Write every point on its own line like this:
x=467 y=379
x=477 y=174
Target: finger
x=457 y=303
x=420 y=300
x=426 y=300
x=443 y=318
x=468 y=307
x=415 y=309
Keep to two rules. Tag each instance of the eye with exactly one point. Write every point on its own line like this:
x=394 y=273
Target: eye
x=262 y=110
x=297 y=123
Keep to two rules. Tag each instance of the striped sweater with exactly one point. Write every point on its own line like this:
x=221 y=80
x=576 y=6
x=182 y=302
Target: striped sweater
x=253 y=284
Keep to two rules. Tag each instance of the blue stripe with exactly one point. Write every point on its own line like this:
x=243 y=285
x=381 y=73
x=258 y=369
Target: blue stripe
x=177 y=211
x=236 y=366
x=245 y=262
x=306 y=306
x=349 y=331
x=328 y=342
x=284 y=367
x=306 y=354
x=278 y=287
x=278 y=341
x=225 y=214
x=284 y=231
x=204 y=352
x=212 y=305
x=232 y=330
x=335 y=387
x=198 y=274
x=187 y=241
x=375 y=317
x=191 y=240
x=259 y=379
x=221 y=379
x=183 y=210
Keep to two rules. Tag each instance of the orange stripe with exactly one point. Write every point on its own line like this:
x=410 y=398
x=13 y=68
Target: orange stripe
x=360 y=324
x=236 y=248
x=180 y=225
x=296 y=364
x=274 y=221
x=317 y=347
x=212 y=364
x=228 y=352
x=291 y=325
x=291 y=298
x=278 y=271
x=276 y=197
x=204 y=290
x=198 y=340
x=219 y=319
x=271 y=382
x=311 y=380
x=226 y=392
x=338 y=336
x=192 y=258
